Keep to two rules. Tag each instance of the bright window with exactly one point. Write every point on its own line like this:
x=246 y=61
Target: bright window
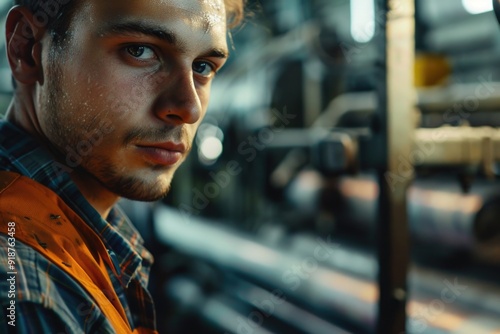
x=477 y=6
x=362 y=20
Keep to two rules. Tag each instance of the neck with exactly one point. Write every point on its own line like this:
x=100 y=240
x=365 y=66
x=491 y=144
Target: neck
x=21 y=112
x=99 y=197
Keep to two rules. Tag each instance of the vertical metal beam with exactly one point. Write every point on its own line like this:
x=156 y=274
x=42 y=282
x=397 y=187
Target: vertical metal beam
x=393 y=138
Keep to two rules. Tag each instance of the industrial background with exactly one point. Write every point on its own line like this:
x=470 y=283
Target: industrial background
x=345 y=179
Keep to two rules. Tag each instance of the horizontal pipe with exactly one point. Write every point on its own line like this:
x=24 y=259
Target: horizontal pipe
x=476 y=32
x=438 y=13
x=330 y=278
x=439 y=211
x=453 y=100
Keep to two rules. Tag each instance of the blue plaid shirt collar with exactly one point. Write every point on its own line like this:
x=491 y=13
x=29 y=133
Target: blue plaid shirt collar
x=21 y=153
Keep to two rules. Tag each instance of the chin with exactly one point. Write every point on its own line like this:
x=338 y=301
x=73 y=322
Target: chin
x=145 y=197
x=138 y=189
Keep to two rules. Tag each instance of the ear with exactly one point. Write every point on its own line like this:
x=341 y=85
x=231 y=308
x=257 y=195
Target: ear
x=24 y=48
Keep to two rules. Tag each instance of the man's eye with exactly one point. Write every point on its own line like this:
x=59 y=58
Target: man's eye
x=203 y=68
x=141 y=52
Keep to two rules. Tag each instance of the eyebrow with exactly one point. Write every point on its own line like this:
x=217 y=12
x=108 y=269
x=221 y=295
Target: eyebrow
x=144 y=28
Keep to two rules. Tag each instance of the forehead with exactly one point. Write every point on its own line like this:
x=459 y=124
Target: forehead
x=198 y=8
x=205 y=17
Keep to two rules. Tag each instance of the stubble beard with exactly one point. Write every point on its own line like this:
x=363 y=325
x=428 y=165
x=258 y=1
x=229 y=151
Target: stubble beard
x=94 y=165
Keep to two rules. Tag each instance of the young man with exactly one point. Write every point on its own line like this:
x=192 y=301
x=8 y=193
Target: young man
x=108 y=98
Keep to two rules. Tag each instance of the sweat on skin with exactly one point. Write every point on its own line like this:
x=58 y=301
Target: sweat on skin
x=158 y=58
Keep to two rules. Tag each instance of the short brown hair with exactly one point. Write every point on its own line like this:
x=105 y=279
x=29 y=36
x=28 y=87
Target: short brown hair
x=235 y=10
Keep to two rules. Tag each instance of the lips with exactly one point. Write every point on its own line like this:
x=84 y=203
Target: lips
x=165 y=154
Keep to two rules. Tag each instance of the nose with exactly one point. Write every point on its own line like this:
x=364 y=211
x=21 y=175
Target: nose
x=178 y=101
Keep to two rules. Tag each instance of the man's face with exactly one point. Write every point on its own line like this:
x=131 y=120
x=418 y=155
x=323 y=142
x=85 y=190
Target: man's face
x=123 y=98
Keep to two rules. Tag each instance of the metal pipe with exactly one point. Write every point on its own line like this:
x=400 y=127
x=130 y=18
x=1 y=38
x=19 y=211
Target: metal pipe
x=437 y=13
x=451 y=101
x=460 y=99
x=438 y=210
x=473 y=33
x=332 y=279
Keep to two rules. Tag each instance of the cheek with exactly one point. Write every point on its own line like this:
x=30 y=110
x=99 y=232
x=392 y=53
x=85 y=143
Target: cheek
x=130 y=97
x=83 y=91
x=204 y=99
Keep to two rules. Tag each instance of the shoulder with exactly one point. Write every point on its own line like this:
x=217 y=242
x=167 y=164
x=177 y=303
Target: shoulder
x=33 y=282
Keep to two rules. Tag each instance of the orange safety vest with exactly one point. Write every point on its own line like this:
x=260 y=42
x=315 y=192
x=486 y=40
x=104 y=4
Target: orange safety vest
x=44 y=222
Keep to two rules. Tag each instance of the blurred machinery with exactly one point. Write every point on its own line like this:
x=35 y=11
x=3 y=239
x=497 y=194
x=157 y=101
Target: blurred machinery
x=334 y=138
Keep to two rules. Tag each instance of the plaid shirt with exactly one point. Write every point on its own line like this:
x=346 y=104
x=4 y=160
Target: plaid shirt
x=47 y=299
